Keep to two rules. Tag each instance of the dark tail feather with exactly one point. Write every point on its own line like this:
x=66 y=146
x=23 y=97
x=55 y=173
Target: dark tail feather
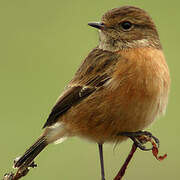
x=32 y=152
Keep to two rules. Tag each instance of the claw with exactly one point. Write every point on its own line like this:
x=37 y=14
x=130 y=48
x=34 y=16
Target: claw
x=140 y=138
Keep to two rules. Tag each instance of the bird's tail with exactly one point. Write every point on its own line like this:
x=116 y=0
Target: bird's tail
x=32 y=152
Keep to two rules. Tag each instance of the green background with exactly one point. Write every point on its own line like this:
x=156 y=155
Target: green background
x=41 y=45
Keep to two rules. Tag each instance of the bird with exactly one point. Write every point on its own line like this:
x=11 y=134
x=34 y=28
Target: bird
x=121 y=86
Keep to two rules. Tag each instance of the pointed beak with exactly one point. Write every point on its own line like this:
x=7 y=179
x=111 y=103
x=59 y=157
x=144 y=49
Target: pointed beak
x=98 y=25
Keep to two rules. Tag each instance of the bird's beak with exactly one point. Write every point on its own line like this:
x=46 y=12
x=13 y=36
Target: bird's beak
x=98 y=25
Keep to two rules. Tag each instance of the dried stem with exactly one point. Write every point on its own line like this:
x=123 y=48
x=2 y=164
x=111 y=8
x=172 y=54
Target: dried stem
x=21 y=172
x=123 y=168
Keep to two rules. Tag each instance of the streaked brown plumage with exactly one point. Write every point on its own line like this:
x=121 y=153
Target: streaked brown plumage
x=121 y=86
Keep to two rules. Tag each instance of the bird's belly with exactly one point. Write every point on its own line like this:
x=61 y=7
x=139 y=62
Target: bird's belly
x=135 y=95
x=107 y=115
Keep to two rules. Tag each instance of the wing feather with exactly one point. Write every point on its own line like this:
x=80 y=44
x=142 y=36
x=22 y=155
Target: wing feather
x=65 y=102
x=94 y=72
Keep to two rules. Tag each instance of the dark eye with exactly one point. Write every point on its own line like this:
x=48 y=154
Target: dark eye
x=126 y=25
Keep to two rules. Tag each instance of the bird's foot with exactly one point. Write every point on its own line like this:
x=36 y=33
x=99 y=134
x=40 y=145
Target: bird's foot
x=140 y=138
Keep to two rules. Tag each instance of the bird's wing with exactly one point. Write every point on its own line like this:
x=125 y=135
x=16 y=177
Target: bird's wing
x=94 y=72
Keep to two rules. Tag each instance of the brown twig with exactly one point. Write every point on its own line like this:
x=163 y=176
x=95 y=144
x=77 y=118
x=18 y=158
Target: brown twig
x=12 y=176
x=123 y=169
x=21 y=172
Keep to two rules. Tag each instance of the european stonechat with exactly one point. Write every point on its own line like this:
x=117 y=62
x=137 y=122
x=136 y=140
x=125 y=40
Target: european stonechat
x=121 y=86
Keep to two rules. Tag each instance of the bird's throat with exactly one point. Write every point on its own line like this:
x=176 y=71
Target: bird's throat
x=111 y=44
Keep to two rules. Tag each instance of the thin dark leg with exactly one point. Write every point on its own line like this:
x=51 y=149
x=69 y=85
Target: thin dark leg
x=123 y=168
x=101 y=161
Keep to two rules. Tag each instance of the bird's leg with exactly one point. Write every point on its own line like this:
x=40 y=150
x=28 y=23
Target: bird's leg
x=101 y=161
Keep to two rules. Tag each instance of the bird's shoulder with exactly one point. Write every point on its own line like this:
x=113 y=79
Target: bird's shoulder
x=98 y=63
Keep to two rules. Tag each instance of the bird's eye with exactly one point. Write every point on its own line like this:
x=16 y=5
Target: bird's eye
x=126 y=25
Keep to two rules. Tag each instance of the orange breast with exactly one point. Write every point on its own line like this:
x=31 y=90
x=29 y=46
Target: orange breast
x=141 y=82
